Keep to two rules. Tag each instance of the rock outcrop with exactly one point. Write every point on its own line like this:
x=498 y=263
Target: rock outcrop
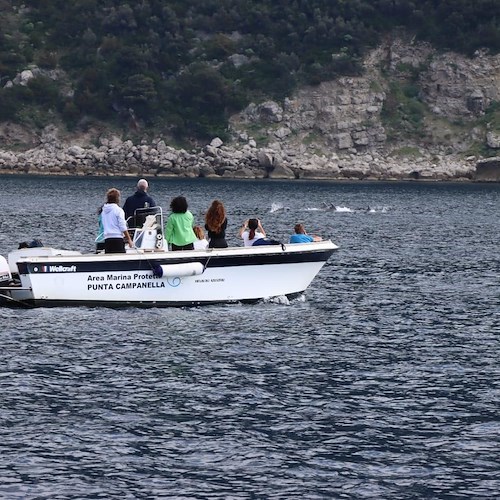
x=488 y=170
x=114 y=157
x=335 y=130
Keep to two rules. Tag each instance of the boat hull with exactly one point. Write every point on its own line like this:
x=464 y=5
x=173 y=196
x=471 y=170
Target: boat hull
x=187 y=277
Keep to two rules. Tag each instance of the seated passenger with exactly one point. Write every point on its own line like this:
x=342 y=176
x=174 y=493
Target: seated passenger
x=301 y=236
x=201 y=243
x=251 y=231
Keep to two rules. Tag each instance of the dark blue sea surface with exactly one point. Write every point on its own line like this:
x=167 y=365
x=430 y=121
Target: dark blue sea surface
x=382 y=381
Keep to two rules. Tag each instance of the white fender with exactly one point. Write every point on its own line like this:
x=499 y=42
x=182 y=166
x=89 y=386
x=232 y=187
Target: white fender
x=178 y=270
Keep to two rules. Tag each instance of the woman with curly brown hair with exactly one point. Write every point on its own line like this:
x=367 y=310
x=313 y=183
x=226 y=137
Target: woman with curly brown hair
x=216 y=224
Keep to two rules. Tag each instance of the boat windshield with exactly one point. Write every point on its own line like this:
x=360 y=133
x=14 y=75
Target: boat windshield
x=147 y=233
x=140 y=215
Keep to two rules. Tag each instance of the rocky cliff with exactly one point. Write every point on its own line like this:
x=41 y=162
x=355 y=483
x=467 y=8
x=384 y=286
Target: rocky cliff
x=414 y=114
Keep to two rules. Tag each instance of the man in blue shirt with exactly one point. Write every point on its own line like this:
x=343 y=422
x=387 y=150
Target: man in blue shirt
x=301 y=236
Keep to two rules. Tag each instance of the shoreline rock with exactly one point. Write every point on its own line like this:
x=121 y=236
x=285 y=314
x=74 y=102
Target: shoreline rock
x=114 y=157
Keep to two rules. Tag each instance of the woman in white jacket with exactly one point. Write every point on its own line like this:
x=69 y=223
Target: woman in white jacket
x=114 y=224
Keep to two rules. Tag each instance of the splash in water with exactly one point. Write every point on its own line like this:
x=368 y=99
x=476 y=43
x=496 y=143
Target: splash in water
x=280 y=299
x=277 y=207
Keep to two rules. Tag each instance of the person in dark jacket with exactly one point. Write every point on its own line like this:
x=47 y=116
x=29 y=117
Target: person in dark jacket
x=140 y=199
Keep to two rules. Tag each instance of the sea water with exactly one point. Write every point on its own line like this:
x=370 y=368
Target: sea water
x=381 y=381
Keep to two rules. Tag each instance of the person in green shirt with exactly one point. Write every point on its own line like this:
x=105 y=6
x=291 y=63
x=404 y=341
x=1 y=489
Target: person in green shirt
x=179 y=228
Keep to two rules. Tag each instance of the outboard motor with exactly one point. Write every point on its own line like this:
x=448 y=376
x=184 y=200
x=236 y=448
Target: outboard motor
x=5 y=276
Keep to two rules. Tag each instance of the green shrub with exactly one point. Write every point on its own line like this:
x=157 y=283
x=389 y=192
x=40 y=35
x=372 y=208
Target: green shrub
x=402 y=112
x=47 y=59
x=44 y=91
x=491 y=117
x=200 y=99
x=8 y=105
x=288 y=43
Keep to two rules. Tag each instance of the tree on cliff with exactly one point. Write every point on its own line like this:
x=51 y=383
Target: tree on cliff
x=148 y=55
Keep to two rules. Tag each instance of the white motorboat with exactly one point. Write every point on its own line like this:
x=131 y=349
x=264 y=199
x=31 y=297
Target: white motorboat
x=151 y=276
x=159 y=278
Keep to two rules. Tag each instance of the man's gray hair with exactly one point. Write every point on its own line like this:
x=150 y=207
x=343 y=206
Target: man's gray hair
x=142 y=185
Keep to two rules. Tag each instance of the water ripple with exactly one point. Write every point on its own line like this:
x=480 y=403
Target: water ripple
x=381 y=382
